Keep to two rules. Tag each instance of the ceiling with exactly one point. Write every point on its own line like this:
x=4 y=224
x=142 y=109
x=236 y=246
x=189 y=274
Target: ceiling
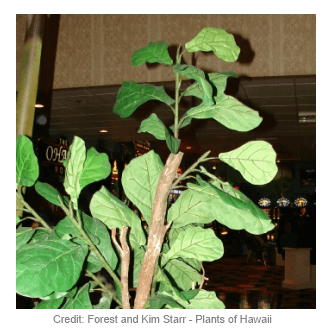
x=279 y=100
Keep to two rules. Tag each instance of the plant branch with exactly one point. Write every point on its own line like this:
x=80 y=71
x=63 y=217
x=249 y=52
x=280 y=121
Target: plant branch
x=89 y=242
x=33 y=212
x=157 y=229
x=103 y=287
x=192 y=168
x=125 y=260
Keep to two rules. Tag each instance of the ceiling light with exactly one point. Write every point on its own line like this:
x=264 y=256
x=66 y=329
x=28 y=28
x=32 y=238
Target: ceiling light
x=188 y=147
x=38 y=105
x=103 y=131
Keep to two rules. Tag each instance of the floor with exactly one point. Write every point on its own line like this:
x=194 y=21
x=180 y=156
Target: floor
x=256 y=286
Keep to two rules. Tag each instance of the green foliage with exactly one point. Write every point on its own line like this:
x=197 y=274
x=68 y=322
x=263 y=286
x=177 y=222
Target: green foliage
x=51 y=260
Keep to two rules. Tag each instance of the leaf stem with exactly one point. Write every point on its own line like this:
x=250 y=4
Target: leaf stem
x=29 y=209
x=104 y=288
x=89 y=242
x=192 y=168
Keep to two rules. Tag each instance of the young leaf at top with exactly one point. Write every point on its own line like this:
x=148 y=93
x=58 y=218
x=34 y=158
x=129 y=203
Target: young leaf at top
x=47 y=266
x=217 y=79
x=191 y=72
x=155 y=52
x=96 y=167
x=27 y=168
x=197 y=243
x=74 y=169
x=217 y=40
x=140 y=179
x=255 y=160
x=229 y=112
x=131 y=95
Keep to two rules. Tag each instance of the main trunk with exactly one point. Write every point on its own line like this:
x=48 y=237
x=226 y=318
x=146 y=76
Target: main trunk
x=157 y=229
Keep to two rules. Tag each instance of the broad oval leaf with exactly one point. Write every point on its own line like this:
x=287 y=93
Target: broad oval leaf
x=50 y=304
x=27 y=168
x=255 y=160
x=81 y=299
x=140 y=179
x=48 y=192
x=47 y=266
x=131 y=95
x=217 y=40
x=23 y=235
x=232 y=208
x=74 y=169
x=154 y=52
x=205 y=300
x=183 y=275
x=188 y=209
x=197 y=243
x=154 y=126
x=96 y=167
x=99 y=235
x=229 y=112
x=116 y=214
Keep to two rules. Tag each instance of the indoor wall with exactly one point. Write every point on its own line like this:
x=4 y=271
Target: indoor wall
x=95 y=50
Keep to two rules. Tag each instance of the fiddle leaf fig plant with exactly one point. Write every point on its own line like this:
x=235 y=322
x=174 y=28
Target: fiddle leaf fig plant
x=163 y=262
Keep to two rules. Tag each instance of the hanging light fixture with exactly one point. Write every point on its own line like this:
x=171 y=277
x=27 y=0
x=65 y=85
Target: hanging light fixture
x=300 y=202
x=264 y=202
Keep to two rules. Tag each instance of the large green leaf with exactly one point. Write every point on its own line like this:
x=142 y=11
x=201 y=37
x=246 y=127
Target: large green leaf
x=255 y=160
x=194 y=73
x=131 y=95
x=74 y=169
x=47 y=266
x=217 y=40
x=99 y=235
x=232 y=208
x=217 y=79
x=160 y=300
x=27 y=168
x=116 y=214
x=96 y=167
x=50 y=304
x=188 y=209
x=229 y=112
x=197 y=243
x=183 y=275
x=48 y=192
x=23 y=235
x=140 y=179
x=173 y=233
x=154 y=126
x=155 y=52
x=205 y=300
x=81 y=299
